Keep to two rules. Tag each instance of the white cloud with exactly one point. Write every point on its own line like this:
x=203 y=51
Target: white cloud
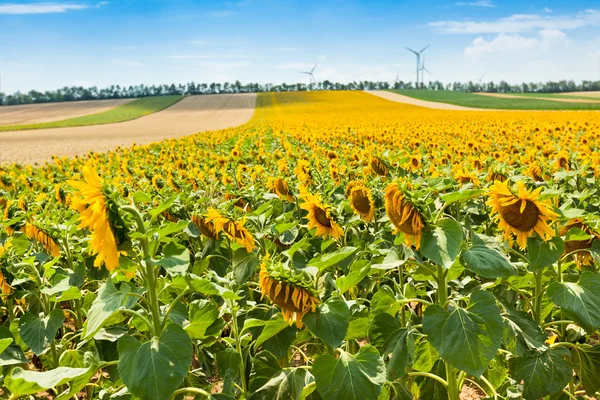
x=221 y=14
x=518 y=23
x=102 y=3
x=548 y=39
x=39 y=8
x=479 y=3
x=547 y=10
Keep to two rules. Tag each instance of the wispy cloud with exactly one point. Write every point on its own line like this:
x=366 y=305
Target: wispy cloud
x=221 y=14
x=548 y=39
x=40 y=8
x=520 y=23
x=479 y=3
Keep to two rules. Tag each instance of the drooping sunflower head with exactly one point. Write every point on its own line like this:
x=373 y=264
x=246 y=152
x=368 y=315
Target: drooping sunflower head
x=292 y=291
x=207 y=228
x=378 y=166
x=280 y=187
x=320 y=216
x=361 y=200
x=520 y=214
x=535 y=172
x=405 y=216
x=234 y=229
x=99 y=213
x=42 y=237
x=579 y=249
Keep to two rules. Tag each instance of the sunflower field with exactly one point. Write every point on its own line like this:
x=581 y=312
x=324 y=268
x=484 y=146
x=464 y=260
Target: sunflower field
x=338 y=246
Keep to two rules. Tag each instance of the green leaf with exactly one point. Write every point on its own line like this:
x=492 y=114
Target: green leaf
x=269 y=381
x=229 y=360
x=4 y=343
x=244 y=265
x=275 y=325
x=164 y=206
x=202 y=314
x=581 y=300
x=431 y=389
x=264 y=367
x=488 y=262
x=384 y=301
x=207 y=287
x=327 y=260
x=394 y=343
x=442 y=244
x=466 y=338
x=155 y=369
x=350 y=377
x=12 y=353
x=391 y=261
x=461 y=195
x=169 y=228
x=543 y=254
x=108 y=301
x=176 y=259
x=37 y=332
x=21 y=382
x=526 y=330
x=542 y=374
x=576 y=234
x=586 y=363
x=330 y=321
x=358 y=271
x=425 y=356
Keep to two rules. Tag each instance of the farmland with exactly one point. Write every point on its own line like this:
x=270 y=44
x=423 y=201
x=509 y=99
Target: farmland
x=125 y=112
x=335 y=246
x=475 y=100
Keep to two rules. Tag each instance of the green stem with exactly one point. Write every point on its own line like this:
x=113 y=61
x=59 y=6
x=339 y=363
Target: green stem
x=172 y=305
x=429 y=375
x=452 y=387
x=453 y=391
x=55 y=358
x=538 y=297
x=238 y=347
x=190 y=390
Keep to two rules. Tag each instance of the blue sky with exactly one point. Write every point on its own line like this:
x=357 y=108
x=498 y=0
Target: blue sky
x=46 y=45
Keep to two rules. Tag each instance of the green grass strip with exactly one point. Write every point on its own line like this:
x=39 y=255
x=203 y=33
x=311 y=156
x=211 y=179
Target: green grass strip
x=126 y=112
x=479 y=101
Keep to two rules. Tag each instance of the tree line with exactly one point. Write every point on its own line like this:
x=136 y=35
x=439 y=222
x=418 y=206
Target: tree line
x=75 y=93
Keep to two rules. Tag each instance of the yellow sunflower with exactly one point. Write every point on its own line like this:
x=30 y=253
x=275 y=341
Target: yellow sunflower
x=43 y=238
x=361 y=200
x=5 y=288
x=91 y=203
x=520 y=214
x=234 y=229
x=404 y=215
x=579 y=247
x=319 y=216
x=378 y=166
x=207 y=228
x=292 y=293
x=281 y=188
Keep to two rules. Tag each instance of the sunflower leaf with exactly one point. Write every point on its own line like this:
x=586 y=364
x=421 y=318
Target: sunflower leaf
x=542 y=374
x=330 y=321
x=442 y=244
x=543 y=254
x=327 y=260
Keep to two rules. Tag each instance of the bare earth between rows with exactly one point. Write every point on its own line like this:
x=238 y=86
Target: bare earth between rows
x=37 y=113
x=191 y=115
x=399 y=98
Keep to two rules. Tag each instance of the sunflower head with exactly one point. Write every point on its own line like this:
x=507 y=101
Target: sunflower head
x=234 y=229
x=292 y=291
x=405 y=216
x=280 y=187
x=361 y=200
x=320 y=216
x=579 y=248
x=378 y=166
x=42 y=237
x=520 y=214
x=206 y=227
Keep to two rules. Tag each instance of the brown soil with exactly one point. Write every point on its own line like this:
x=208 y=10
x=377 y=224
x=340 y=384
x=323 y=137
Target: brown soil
x=190 y=115
x=36 y=113
x=595 y=94
x=471 y=393
x=421 y=103
x=513 y=96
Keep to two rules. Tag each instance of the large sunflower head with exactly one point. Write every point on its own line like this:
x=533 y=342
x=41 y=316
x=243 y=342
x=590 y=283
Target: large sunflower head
x=378 y=166
x=520 y=214
x=361 y=200
x=405 y=216
x=292 y=292
x=235 y=230
x=580 y=248
x=99 y=213
x=39 y=235
x=206 y=227
x=320 y=216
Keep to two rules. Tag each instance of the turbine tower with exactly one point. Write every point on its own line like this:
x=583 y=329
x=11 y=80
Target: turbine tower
x=311 y=78
x=418 y=54
x=423 y=68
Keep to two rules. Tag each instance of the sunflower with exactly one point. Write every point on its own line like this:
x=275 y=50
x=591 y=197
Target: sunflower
x=92 y=204
x=293 y=293
x=579 y=247
x=415 y=162
x=378 y=166
x=361 y=200
x=5 y=288
x=281 y=188
x=207 y=228
x=520 y=214
x=404 y=215
x=319 y=216
x=43 y=238
x=233 y=229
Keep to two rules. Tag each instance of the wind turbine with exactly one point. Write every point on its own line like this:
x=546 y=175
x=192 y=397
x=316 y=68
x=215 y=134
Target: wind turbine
x=480 y=80
x=311 y=78
x=418 y=54
x=397 y=76
x=424 y=69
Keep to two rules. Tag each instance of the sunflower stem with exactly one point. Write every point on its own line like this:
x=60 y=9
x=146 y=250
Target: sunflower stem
x=538 y=297
x=238 y=346
x=452 y=388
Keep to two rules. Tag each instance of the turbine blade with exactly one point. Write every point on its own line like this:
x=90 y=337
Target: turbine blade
x=314 y=67
x=424 y=48
x=409 y=49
